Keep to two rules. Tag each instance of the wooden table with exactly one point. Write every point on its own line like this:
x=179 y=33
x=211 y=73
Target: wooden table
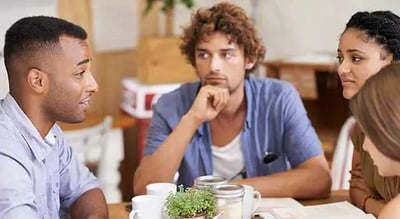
x=118 y=210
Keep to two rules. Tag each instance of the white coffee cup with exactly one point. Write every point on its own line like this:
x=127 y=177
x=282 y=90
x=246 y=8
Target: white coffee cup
x=251 y=201
x=146 y=206
x=160 y=189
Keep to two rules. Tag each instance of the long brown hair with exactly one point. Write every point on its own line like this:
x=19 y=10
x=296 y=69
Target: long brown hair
x=228 y=19
x=376 y=107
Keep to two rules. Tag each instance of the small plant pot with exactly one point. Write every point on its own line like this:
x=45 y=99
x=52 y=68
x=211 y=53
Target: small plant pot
x=195 y=217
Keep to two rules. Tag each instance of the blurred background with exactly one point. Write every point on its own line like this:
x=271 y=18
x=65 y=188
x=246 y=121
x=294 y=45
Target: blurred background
x=136 y=59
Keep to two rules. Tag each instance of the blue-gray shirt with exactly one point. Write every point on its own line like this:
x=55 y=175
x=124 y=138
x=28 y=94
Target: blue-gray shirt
x=276 y=122
x=39 y=178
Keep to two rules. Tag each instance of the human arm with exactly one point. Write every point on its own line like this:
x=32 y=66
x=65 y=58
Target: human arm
x=360 y=193
x=161 y=165
x=164 y=162
x=91 y=204
x=297 y=182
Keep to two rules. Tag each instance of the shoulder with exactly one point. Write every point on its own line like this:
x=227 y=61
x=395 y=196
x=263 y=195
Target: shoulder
x=266 y=92
x=185 y=91
x=10 y=138
x=178 y=100
x=15 y=156
x=269 y=86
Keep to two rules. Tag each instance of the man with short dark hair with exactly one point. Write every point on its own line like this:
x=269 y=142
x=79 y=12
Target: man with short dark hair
x=48 y=66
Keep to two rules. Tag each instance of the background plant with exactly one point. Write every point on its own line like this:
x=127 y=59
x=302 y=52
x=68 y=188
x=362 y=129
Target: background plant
x=191 y=202
x=168 y=4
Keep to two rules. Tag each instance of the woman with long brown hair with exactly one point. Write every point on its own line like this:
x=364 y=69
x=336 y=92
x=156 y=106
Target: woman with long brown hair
x=376 y=107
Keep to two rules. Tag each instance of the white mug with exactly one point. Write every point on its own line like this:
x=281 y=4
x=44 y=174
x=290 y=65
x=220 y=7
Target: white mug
x=160 y=189
x=251 y=201
x=146 y=206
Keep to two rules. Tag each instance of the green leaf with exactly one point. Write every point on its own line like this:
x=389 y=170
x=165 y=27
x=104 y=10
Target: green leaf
x=190 y=202
x=149 y=6
x=188 y=3
x=167 y=4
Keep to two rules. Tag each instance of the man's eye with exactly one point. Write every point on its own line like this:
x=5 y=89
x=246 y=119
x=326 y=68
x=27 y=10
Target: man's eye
x=202 y=55
x=80 y=74
x=227 y=55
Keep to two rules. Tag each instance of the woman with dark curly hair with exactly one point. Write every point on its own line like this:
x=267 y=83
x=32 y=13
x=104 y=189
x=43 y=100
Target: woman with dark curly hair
x=378 y=115
x=370 y=41
x=253 y=131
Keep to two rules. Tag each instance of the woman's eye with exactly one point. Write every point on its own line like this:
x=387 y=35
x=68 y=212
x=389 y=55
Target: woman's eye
x=356 y=59
x=339 y=59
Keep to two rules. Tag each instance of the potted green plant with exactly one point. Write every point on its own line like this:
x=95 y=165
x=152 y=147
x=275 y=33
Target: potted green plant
x=168 y=9
x=168 y=4
x=191 y=203
x=159 y=59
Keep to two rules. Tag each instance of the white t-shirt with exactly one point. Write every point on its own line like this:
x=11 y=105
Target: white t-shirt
x=228 y=160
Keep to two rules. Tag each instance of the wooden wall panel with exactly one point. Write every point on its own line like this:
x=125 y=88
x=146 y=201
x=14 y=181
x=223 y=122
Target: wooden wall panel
x=108 y=67
x=77 y=11
x=149 y=21
x=112 y=67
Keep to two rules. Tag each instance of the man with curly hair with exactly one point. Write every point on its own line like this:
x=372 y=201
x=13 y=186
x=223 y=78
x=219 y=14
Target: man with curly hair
x=252 y=131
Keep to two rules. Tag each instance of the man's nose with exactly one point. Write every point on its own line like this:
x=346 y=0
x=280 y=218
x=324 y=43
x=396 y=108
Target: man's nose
x=215 y=64
x=92 y=85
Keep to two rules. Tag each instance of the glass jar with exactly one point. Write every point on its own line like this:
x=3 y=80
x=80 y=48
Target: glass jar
x=229 y=200
x=203 y=182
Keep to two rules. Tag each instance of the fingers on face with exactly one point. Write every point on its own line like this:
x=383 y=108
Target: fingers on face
x=220 y=98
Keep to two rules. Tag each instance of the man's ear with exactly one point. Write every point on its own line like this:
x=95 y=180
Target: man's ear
x=249 y=64
x=37 y=80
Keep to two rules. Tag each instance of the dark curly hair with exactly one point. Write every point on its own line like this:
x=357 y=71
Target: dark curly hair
x=31 y=36
x=383 y=26
x=228 y=19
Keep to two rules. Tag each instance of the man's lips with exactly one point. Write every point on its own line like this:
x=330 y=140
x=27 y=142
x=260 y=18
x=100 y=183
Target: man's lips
x=85 y=101
x=213 y=78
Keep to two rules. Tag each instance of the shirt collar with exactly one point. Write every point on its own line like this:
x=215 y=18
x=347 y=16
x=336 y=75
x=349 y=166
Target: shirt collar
x=40 y=147
x=249 y=102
